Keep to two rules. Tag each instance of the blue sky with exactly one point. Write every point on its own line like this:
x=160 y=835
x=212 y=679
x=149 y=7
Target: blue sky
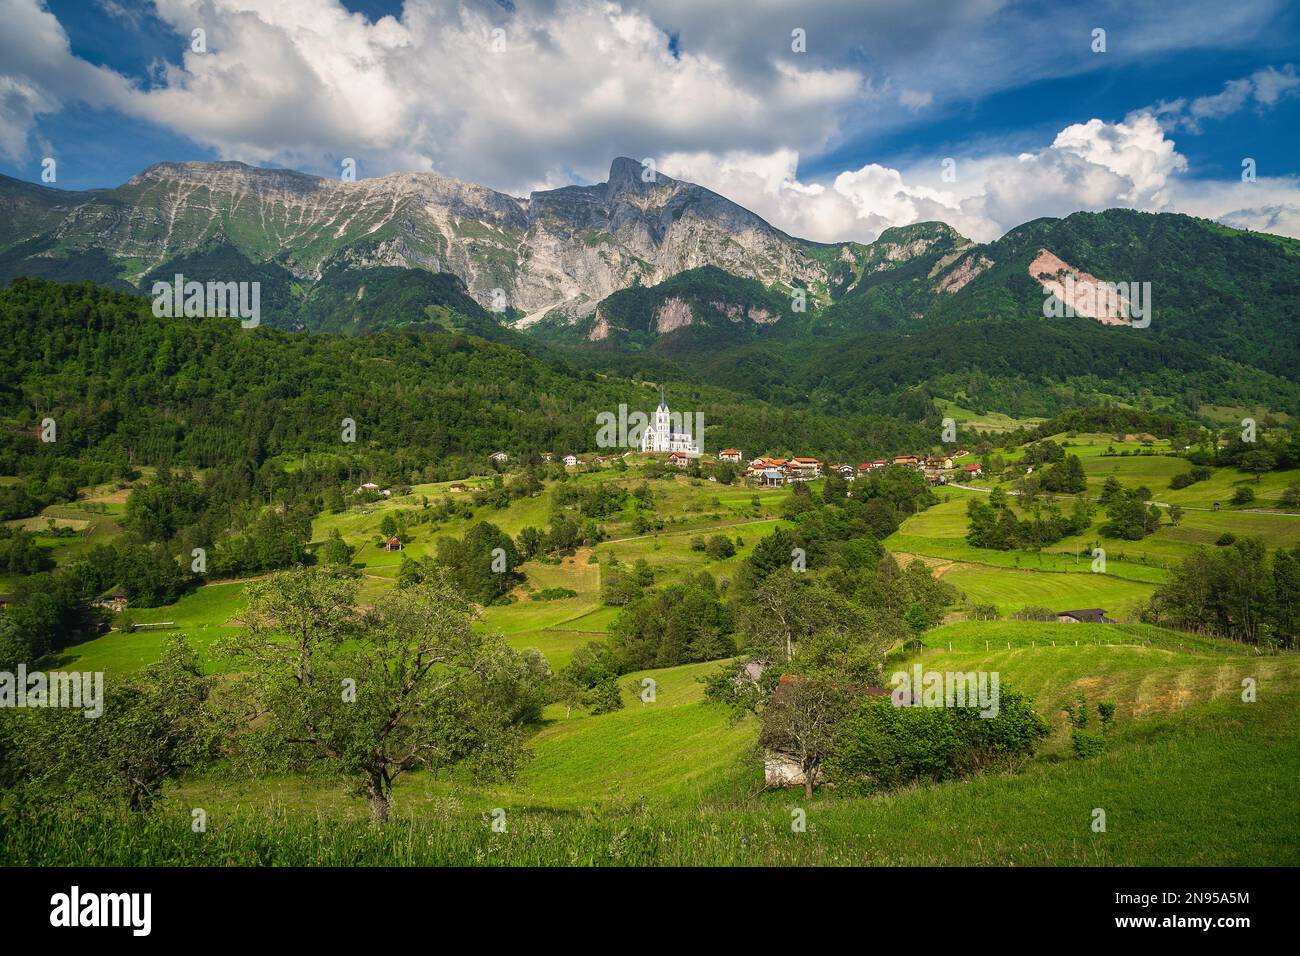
x=837 y=140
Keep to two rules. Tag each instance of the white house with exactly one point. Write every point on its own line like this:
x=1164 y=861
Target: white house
x=498 y=457
x=729 y=454
x=570 y=461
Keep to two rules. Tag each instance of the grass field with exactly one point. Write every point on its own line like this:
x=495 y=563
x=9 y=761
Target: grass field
x=1192 y=775
x=1010 y=590
x=1060 y=576
x=202 y=616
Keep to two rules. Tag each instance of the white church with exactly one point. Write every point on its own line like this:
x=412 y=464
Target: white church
x=665 y=434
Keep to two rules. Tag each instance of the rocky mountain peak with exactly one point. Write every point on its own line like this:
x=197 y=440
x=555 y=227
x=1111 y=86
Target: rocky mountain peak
x=630 y=176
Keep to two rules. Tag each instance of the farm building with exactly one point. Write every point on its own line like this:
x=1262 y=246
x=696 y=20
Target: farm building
x=729 y=454
x=1087 y=615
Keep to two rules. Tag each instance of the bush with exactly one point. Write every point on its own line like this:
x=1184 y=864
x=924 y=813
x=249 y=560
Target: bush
x=1291 y=496
x=1086 y=745
x=1226 y=539
x=554 y=594
x=719 y=547
x=604 y=697
x=885 y=746
x=1034 y=613
x=1083 y=742
x=1199 y=473
x=984 y=612
x=1243 y=496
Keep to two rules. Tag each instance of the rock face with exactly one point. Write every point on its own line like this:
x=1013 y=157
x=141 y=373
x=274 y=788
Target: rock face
x=673 y=314
x=1081 y=291
x=968 y=268
x=559 y=247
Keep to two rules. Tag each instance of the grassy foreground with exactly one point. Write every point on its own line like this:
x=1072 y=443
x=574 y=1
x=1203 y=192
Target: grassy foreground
x=1214 y=784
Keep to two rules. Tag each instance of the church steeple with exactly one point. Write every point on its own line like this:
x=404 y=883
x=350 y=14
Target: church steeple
x=662 y=403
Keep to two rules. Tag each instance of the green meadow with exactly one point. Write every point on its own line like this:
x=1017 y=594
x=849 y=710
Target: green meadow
x=1191 y=775
x=201 y=617
x=1061 y=576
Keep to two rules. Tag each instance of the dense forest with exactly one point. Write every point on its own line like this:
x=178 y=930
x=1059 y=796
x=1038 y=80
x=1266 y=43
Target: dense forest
x=125 y=388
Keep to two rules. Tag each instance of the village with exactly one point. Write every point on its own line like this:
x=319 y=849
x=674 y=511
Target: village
x=770 y=471
x=774 y=472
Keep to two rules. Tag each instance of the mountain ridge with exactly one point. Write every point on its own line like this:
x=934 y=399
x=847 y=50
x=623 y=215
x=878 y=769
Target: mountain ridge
x=570 y=245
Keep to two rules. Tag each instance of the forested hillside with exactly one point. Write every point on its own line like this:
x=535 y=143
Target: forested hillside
x=126 y=388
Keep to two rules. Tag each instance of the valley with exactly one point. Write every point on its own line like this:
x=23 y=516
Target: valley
x=1102 y=510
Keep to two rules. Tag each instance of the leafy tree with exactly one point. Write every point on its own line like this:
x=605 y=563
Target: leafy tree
x=679 y=624
x=805 y=719
x=476 y=566
x=1258 y=462
x=410 y=684
x=529 y=542
x=154 y=725
x=1235 y=592
x=337 y=551
x=1130 y=518
x=604 y=697
x=787 y=609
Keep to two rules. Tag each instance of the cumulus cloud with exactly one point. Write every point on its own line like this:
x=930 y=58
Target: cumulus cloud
x=544 y=94
x=1263 y=89
x=39 y=74
x=470 y=89
x=1088 y=166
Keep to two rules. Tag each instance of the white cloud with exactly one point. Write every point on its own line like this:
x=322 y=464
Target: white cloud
x=1264 y=88
x=469 y=89
x=39 y=74
x=1092 y=166
x=305 y=83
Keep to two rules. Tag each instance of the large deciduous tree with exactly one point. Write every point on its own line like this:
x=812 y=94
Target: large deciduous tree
x=407 y=684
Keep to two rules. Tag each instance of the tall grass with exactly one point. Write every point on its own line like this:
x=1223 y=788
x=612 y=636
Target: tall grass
x=1216 y=788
